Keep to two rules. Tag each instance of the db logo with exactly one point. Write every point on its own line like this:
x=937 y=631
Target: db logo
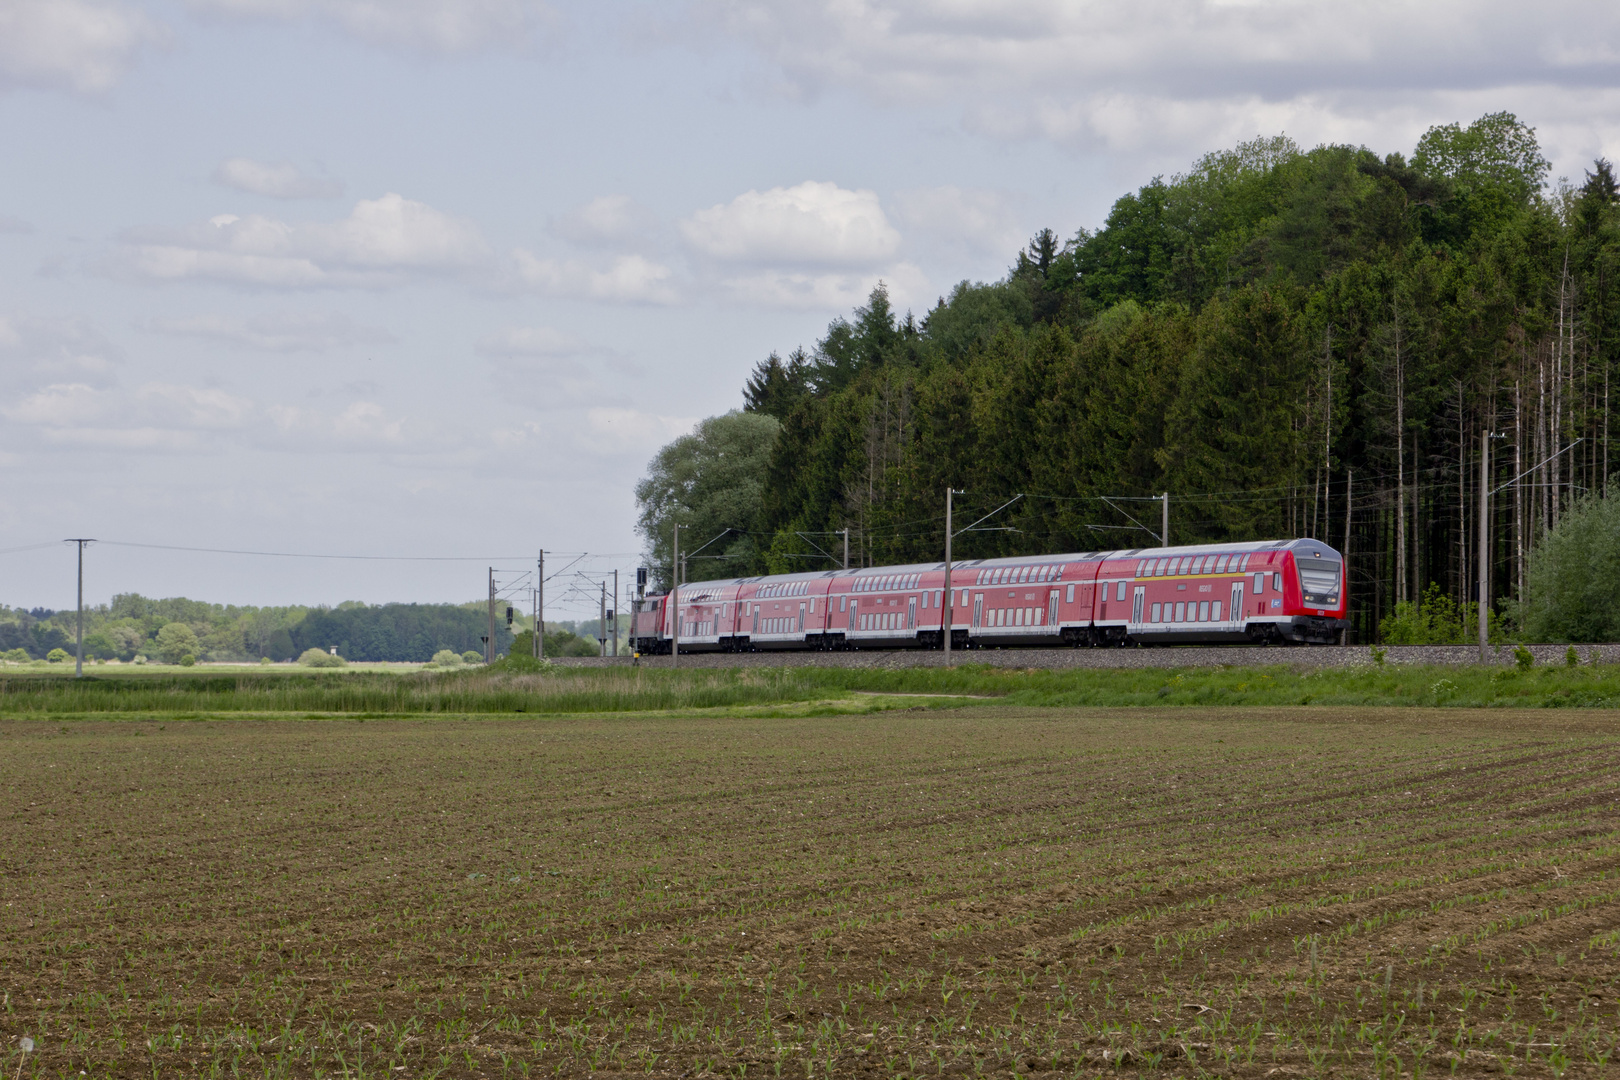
x=1276 y=603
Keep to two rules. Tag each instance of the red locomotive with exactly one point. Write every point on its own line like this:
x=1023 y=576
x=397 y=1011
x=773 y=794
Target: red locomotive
x=1281 y=591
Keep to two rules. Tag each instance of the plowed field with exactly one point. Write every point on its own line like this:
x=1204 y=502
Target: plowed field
x=1287 y=892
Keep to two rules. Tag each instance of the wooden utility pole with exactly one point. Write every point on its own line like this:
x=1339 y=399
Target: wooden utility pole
x=950 y=593
x=78 y=658
x=675 y=600
x=489 y=642
x=1484 y=539
x=601 y=619
x=1349 y=516
x=540 y=609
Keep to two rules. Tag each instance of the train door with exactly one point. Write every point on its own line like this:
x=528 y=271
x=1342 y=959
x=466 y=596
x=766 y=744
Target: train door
x=1052 y=608
x=756 y=620
x=801 y=616
x=1236 y=613
x=1136 y=604
x=978 y=608
x=911 y=613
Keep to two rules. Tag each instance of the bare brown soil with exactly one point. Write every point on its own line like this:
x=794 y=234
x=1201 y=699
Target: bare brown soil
x=1304 y=892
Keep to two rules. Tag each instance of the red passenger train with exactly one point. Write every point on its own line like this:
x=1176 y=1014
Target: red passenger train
x=1282 y=591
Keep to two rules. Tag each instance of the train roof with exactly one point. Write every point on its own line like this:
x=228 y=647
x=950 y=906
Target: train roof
x=1316 y=548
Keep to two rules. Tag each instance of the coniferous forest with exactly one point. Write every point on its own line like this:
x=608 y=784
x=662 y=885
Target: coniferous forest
x=1290 y=342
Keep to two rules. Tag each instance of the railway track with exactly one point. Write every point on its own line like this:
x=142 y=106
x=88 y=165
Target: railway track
x=1058 y=659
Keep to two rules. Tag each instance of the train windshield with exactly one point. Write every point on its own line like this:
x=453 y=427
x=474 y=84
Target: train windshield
x=1319 y=582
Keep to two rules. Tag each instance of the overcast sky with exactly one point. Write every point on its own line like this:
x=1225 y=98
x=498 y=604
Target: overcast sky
x=438 y=277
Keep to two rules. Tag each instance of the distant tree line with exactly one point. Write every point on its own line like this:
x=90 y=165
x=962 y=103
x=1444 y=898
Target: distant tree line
x=1290 y=342
x=166 y=630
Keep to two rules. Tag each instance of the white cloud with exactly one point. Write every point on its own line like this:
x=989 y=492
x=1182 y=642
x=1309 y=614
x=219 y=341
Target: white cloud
x=810 y=223
x=157 y=416
x=54 y=348
x=361 y=425
x=436 y=26
x=636 y=431
x=633 y=279
x=907 y=284
x=77 y=45
x=1175 y=77
x=278 y=180
x=280 y=331
x=532 y=341
x=977 y=220
x=380 y=242
x=606 y=221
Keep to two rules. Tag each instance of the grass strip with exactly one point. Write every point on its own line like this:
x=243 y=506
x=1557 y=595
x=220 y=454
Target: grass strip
x=579 y=691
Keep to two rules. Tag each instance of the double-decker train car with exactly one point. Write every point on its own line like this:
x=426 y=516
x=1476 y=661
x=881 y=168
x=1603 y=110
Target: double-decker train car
x=1281 y=591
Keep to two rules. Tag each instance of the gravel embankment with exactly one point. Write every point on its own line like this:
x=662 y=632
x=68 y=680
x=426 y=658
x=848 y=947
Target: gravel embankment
x=1297 y=656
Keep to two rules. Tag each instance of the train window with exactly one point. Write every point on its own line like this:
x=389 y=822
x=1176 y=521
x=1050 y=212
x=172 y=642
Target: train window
x=1276 y=583
x=1259 y=584
x=1181 y=613
x=842 y=600
x=1070 y=597
x=1220 y=565
x=1203 y=611
x=812 y=607
x=1121 y=595
x=1215 y=611
x=1243 y=563
x=1157 y=611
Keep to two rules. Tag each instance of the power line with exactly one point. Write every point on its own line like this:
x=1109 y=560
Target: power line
x=317 y=555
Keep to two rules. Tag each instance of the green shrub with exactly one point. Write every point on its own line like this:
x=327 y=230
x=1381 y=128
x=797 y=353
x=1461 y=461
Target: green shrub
x=557 y=642
x=15 y=656
x=446 y=658
x=175 y=640
x=1523 y=658
x=187 y=660
x=321 y=658
x=263 y=660
x=1573 y=588
x=58 y=656
x=471 y=657
x=1437 y=620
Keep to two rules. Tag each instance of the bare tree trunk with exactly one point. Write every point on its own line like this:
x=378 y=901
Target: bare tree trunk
x=1462 y=497
x=1518 y=493
x=1559 y=365
x=1417 y=544
x=1400 y=465
x=1544 y=514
